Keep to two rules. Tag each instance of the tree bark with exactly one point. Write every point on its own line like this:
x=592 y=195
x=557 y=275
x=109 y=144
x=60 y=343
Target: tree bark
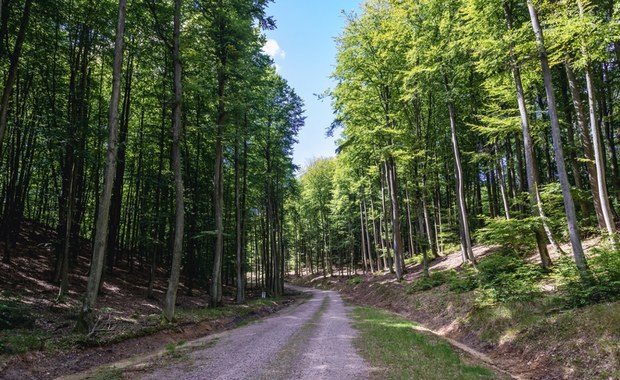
x=569 y=205
x=397 y=238
x=460 y=181
x=177 y=132
x=588 y=148
x=12 y=74
x=86 y=317
x=502 y=185
x=598 y=146
x=530 y=163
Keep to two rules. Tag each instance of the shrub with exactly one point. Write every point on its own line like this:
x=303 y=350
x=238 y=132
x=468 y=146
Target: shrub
x=553 y=205
x=464 y=281
x=504 y=278
x=414 y=260
x=354 y=280
x=603 y=283
x=428 y=282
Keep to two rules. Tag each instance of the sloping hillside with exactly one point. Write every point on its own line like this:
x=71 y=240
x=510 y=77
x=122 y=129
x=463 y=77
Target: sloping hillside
x=531 y=339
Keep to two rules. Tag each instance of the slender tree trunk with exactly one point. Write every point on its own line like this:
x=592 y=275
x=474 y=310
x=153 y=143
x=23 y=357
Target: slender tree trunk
x=418 y=207
x=64 y=268
x=215 y=293
x=396 y=231
x=177 y=133
x=598 y=151
x=86 y=317
x=383 y=227
x=363 y=238
x=409 y=224
x=12 y=74
x=117 y=192
x=460 y=181
x=369 y=244
x=569 y=205
x=530 y=163
x=240 y=219
x=376 y=232
x=502 y=185
x=606 y=114
x=587 y=143
x=572 y=152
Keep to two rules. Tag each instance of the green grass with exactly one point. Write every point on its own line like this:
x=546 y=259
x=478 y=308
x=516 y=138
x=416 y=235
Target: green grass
x=21 y=341
x=391 y=345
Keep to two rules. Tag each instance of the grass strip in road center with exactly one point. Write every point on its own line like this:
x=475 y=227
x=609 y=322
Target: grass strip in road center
x=283 y=362
x=396 y=351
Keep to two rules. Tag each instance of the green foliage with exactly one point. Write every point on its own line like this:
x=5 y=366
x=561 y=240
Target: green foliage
x=504 y=278
x=602 y=285
x=433 y=280
x=414 y=260
x=354 y=280
x=515 y=235
x=15 y=315
x=553 y=204
x=463 y=281
x=20 y=341
x=458 y=281
x=500 y=278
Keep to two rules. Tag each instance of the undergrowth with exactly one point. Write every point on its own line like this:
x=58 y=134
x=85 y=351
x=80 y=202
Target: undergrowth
x=602 y=285
x=505 y=277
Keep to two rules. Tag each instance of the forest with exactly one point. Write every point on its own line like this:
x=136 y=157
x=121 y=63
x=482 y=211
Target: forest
x=464 y=123
x=148 y=140
x=157 y=137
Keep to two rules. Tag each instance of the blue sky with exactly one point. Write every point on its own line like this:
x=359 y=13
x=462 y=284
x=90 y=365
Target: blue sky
x=304 y=50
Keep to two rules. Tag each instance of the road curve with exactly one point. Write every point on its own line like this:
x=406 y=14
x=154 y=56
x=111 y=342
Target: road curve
x=312 y=340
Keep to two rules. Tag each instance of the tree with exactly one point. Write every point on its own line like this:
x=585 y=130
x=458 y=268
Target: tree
x=177 y=133
x=12 y=73
x=557 y=143
x=86 y=318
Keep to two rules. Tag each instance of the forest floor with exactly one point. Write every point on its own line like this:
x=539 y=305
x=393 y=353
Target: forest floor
x=532 y=339
x=36 y=332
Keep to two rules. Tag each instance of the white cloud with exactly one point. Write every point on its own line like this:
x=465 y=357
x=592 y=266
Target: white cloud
x=272 y=49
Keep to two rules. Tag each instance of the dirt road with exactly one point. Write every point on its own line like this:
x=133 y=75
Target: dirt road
x=308 y=341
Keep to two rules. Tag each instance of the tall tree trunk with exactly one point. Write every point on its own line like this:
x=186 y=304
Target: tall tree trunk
x=409 y=224
x=569 y=205
x=397 y=238
x=530 y=163
x=369 y=244
x=363 y=239
x=215 y=293
x=460 y=181
x=177 y=132
x=12 y=74
x=502 y=184
x=240 y=218
x=572 y=152
x=588 y=148
x=86 y=317
x=117 y=192
x=598 y=149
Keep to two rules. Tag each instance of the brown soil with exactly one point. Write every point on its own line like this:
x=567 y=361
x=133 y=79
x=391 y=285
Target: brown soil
x=129 y=323
x=560 y=344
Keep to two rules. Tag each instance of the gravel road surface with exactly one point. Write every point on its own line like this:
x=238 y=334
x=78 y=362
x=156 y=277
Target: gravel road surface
x=308 y=341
